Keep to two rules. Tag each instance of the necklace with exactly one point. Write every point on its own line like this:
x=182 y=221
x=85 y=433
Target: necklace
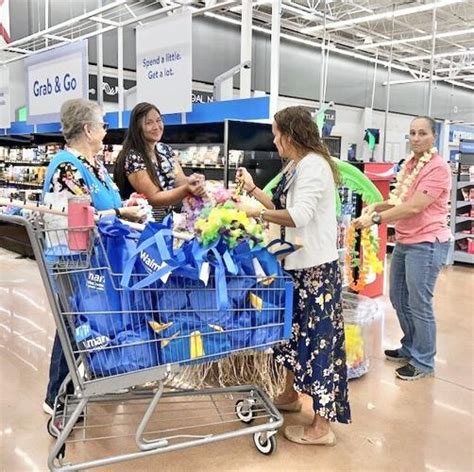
x=366 y=259
x=404 y=181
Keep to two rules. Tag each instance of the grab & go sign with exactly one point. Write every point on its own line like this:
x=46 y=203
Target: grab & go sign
x=54 y=77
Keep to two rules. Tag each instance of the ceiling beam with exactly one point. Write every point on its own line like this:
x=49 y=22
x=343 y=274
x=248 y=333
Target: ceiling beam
x=428 y=37
x=64 y=24
x=381 y=16
x=441 y=55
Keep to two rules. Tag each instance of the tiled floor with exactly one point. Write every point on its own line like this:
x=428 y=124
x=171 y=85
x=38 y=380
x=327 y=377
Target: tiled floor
x=397 y=426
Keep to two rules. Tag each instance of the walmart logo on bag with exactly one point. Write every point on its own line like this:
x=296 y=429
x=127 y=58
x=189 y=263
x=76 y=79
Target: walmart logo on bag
x=150 y=264
x=83 y=332
x=95 y=281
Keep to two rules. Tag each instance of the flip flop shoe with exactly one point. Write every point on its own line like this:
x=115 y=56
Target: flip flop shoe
x=293 y=407
x=296 y=435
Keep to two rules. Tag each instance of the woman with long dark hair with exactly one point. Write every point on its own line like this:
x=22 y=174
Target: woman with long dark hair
x=304 y=205
x=147 y=166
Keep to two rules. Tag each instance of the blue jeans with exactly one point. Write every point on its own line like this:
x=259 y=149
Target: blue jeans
x=58 y=371
x=413 y=273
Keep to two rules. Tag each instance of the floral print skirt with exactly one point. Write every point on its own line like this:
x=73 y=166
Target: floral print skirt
x=315 y=352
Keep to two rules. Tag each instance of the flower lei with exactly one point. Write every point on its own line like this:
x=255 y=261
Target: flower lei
x=368 y=263
x=225 y=221
x=215 y=216
x=404 y=182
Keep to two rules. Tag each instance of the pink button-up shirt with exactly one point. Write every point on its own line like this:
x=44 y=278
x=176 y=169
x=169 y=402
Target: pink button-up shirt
x=432 y=223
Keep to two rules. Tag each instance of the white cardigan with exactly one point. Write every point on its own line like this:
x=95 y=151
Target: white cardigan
x=311 y=202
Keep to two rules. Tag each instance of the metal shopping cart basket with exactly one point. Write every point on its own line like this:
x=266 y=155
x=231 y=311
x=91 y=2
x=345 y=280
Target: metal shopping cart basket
x=115 y=338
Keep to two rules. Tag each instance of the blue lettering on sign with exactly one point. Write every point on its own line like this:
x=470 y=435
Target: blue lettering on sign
x=70 y=83
x=40 y=89
x=67 y=83
x=153 y=74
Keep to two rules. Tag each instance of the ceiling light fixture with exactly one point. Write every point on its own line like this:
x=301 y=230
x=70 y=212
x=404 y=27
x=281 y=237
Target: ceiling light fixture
x=315 y=44
x=456 y=67
x=447 y=34
x=381 y=16
x=464 y=52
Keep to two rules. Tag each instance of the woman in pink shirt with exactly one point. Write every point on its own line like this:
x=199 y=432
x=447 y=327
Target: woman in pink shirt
x=419 y=209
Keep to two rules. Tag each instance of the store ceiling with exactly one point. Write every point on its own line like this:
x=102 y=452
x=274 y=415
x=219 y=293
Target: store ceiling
x=400 y=31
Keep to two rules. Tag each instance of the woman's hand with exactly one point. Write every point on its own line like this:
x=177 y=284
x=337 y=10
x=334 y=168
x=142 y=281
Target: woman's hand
x=364 y=221
x=243 y=175
x=196 y=185
x=133 y=213
x=369 y=209
x=250 y=210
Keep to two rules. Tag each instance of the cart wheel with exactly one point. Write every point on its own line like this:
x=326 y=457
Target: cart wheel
x=244 y=411
x=51 y=428
x=264 y=445
x=61 y=453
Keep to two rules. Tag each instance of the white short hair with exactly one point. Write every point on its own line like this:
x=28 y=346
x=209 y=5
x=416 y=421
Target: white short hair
x=75 y=114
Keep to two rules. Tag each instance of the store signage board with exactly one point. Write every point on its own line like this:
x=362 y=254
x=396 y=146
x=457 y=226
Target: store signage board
x=164 y=63
x=5 y=118
x=54 y=77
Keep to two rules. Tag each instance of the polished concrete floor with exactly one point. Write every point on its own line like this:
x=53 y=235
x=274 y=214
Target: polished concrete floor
x=397 y=426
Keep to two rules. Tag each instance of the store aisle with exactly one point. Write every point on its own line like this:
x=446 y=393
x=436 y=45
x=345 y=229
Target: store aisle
x=398 y=426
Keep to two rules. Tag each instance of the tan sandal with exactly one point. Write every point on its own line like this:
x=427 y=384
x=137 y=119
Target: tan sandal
x=296 y=435
x=292 y=407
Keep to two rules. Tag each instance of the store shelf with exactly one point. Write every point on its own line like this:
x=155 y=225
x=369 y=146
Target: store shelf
x=462 y=204
x=461 y=256
x=463 y=219
x=204 y=166
x=465 y=183
x=20 y=184
x=25 y=163
x=461 y=235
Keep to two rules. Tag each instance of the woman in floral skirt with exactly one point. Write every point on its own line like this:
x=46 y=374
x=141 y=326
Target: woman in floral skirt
x=304 y=205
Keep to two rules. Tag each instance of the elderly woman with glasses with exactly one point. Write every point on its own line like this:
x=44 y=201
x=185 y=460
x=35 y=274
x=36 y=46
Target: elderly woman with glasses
x=77 y=171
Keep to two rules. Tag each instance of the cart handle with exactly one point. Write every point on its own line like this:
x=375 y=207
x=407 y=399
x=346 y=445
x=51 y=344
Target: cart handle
x=47 y=209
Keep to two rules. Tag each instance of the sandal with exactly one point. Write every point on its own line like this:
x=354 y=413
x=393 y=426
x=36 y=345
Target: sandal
x=292 y=407
x=296 y=435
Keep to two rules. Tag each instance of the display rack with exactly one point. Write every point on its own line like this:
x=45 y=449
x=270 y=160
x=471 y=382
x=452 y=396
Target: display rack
x=462 y=205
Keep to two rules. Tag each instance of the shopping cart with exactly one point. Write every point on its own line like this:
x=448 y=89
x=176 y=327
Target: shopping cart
x=132 y=338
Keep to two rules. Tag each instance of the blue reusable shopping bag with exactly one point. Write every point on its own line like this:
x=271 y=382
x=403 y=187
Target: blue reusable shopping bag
x=99 y=299
x=129 y=351
x=240 y=330
x=186 y=343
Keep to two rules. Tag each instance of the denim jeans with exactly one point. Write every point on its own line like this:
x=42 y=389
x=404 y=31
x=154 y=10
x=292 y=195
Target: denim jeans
x=413 y=273
x=58 y=371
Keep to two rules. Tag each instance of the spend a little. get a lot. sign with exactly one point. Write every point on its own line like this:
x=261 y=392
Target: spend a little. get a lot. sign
x=54 y=77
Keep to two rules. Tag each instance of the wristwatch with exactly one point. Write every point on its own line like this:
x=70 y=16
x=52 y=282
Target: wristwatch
x=261 y=215
x=376 y=218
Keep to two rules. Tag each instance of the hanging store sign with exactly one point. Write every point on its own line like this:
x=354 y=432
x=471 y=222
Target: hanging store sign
x=4 y=97
x=164 y=63
x=54 y=77
x=109 y=88
x=202 y=97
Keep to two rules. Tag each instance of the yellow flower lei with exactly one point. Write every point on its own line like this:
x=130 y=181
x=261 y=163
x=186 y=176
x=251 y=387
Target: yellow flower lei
x=368 y=263
x=234 y=225
x=404 y=182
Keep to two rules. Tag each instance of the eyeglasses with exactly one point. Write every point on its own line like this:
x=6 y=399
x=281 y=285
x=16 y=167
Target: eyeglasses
x=104 y=124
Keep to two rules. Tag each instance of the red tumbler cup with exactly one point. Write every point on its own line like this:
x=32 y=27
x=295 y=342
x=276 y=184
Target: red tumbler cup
x=80 y=220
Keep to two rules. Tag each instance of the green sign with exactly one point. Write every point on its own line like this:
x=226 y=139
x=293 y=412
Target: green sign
x=22 y=114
